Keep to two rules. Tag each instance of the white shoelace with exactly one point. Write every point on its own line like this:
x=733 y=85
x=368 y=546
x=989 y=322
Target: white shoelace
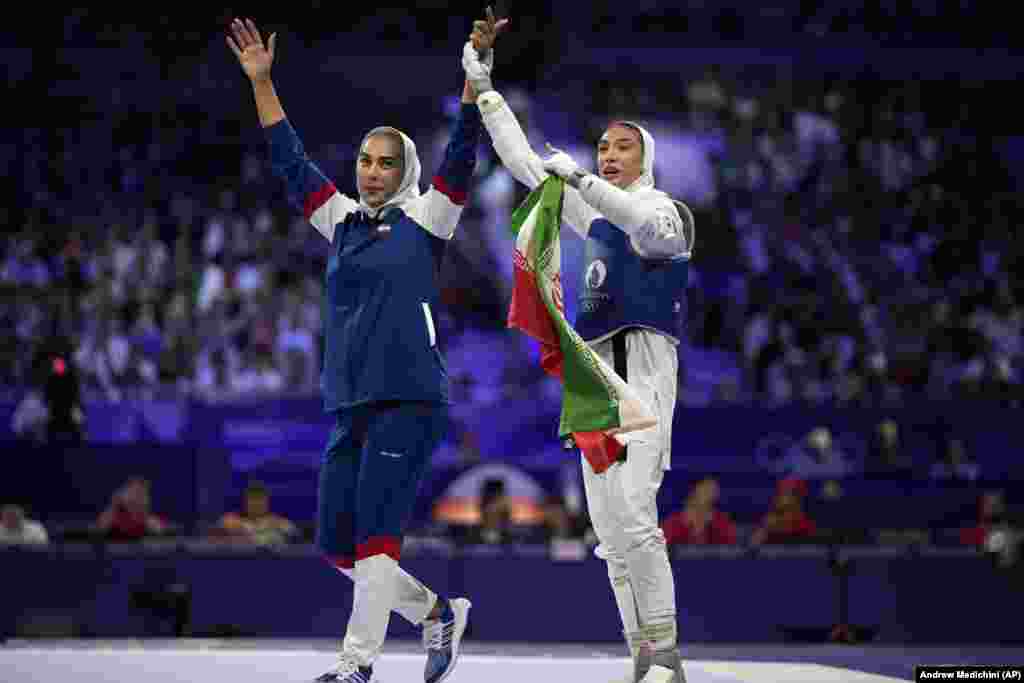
x=438 y=635
x=347 y=666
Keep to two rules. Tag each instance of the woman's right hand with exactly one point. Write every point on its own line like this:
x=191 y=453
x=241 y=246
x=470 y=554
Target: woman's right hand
x=485 y=32
x=255 y=58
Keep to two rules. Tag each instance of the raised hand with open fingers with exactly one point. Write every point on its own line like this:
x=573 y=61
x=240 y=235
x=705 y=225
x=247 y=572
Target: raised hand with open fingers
x=478 y=53
x=254 y=57
x=485 y=31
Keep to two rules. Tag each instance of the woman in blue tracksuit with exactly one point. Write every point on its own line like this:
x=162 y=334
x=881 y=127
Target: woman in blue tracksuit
x=383 y=378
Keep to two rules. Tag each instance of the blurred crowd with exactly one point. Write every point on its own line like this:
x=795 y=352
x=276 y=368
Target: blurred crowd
x=855 y=238
x=858 y=240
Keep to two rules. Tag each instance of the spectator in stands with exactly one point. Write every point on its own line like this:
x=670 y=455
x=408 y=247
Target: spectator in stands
x=991 y=514
x=786 y=522
x=816 y=457
x=16 y=529
x=256 y=523
x=495 y=513
x=174 y=363
x=30 y=417
x=147 y=341
x=886 y=449
x=62 y=394
x=213 y=373
x=295 y=347
x=128 y=516
x=1001 y=383
x=700 y=522
x=955 y=462
x=468 y=450
x=558 y=523
x=257 y=375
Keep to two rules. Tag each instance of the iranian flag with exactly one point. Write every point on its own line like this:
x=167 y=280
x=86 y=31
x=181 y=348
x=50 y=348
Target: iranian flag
x=597 y=405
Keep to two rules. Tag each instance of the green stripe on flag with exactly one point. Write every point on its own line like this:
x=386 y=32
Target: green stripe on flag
x=590 y=401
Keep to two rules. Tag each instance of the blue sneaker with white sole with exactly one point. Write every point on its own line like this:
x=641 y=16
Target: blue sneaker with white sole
x=441 y=638
x=347 y=670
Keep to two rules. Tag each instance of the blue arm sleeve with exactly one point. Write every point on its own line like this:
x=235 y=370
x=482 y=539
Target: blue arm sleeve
x=452 y=178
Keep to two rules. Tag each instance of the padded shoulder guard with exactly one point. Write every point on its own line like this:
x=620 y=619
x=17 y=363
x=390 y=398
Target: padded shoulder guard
x=688 y=225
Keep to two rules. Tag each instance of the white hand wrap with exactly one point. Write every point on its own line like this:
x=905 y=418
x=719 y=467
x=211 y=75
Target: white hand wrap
x=478 y=71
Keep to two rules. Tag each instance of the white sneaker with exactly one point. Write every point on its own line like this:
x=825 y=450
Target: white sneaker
x=347 y=670
x=666 y=667
x=441 y=638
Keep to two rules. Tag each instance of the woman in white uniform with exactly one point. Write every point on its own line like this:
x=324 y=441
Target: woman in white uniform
x=638 y=242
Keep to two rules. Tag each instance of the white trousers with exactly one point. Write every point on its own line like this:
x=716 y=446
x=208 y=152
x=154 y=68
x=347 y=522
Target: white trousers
x=380 y=587
x=622 y=500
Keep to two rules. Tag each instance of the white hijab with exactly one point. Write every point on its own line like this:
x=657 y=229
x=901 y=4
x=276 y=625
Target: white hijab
x=646 y=179
x=645 y=183
x=409 y=189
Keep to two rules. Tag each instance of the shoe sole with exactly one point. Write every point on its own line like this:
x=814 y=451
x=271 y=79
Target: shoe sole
x=460 y=607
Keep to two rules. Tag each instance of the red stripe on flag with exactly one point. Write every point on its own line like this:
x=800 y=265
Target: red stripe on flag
x=379 y=545
x=457 y=196
x=527 y=310
x=598 y=448
x=551 y=360
x=314 y=200
x=528 y=313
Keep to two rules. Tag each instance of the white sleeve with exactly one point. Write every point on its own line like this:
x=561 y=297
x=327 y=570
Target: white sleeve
x=659 y=227
x=437 y=212
x=306 y=186
x=523 y=163
x=334 y=210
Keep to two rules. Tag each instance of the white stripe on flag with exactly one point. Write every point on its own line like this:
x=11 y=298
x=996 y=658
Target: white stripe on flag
x=526 y=231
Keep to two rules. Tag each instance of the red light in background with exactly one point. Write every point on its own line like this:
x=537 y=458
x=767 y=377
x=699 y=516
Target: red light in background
x=59 y=366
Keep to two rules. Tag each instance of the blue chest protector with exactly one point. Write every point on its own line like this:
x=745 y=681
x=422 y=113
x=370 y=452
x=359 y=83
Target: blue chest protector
x=382 y=287
x=621 y=289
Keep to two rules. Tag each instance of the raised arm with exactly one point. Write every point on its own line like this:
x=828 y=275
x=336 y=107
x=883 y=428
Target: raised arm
x=439 y=209
x=308 y=189
x=507 y=135
x=522 y=162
